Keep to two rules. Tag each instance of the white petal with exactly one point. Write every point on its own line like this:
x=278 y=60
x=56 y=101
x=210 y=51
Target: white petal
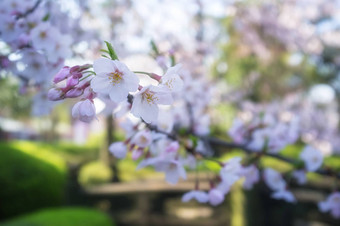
x=136 y=105
x=103 y=65
x=171 y=176
x=164 y=98
x=75 y=110
x=118 y=93
x=188 y=196
x=324 y=206
x=101 y=84
x=181 y=171
x=202 y=197
x=149 y=113
x=131 y=81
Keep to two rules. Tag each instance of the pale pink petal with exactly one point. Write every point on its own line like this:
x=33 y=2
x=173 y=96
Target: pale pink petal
x=101 y=84
x=171 y=176
x=164 y=98
x=131 y=81
x=188 y=196
x=118 y=93
x=103 y=65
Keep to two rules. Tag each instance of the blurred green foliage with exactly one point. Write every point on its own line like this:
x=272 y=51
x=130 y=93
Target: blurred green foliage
x=95 y=173
x=30 y=178
x=66 y=151
x=16 y=105
x=128 y=171
x=262 y=79
x=62 y=217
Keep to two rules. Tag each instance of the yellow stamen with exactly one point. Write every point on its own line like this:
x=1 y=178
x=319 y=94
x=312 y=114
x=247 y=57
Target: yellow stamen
x=115 y=77
x=169 y=83
x=150 y=97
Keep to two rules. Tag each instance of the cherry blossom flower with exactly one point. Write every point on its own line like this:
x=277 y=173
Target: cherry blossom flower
x=230 y=172
x=145 y=103
x=216 y=197
x=251 y=175
x=84 y=110
x=113 y=78
x=61 y=48
x=173 y=170
x=118 y=149
x=312 y=158
x=274 y=179
x=43 y=35
x=332 y=204
x=171 y=80
x=200 y=196
x=300 y=176
x=142 y=139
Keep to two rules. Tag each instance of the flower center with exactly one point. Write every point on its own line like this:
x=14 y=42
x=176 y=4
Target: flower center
x=115 y=77
x=149 y=97
x=43 y=35
x=169 y=83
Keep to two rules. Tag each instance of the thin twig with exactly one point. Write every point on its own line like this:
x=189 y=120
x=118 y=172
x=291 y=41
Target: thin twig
x=31 y=10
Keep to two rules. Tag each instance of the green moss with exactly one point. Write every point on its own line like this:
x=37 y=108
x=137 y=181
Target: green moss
x=62 y=217
x=94 y=173
x=30 y=178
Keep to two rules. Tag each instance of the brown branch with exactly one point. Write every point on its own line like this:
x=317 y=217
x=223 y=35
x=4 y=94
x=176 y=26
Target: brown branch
x=31 y=10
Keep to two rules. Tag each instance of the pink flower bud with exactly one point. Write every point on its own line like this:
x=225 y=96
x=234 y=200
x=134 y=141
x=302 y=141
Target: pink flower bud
x=137 y=153
x=55 y=94
x=77 y=75
x=74 y=69
x=72 y=93
x=72 y=82
x=62 y=74
x=84 y=110
x=4 y=62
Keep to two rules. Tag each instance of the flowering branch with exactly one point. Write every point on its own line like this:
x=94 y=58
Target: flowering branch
x=168 y=141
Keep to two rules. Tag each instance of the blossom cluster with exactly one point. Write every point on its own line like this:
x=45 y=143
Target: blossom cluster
x=167 y=127
x=37 y=37
x=167 y=122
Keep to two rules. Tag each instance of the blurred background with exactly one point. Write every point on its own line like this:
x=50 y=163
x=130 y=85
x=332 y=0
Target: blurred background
x=281 y=54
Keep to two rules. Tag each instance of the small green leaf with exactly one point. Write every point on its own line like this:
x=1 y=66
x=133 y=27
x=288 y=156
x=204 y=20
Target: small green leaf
x=173 y=60
x=105 y=51
x=111 y=51
x=194 y=140
x=154 y=47
x=46 y=17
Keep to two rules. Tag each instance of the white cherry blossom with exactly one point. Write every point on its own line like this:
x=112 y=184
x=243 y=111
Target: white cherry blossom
x=274 y=179
x=251 y=175
x=142 y=139
x=145 y=102
x=312 y=158
x=332 y=204
x=171 y=80
x=118 y=149
x=113 y=78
